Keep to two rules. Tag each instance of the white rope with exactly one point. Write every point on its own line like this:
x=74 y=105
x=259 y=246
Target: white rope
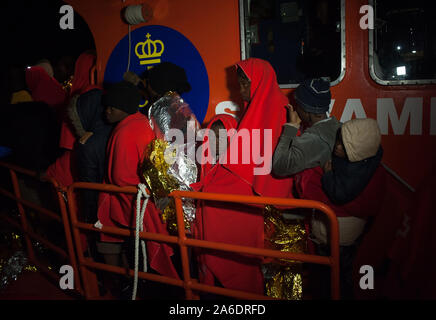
x=142 y=192
x=133 y=14
x=130 y=49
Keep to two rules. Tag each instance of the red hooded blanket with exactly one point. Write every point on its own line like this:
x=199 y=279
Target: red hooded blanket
x=45 y=88
x=81 y=84
x=229 y=123
x=238 y=224
x=62 y=170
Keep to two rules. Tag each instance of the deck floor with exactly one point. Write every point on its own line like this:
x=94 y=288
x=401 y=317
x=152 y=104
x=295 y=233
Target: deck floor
x=34 y=286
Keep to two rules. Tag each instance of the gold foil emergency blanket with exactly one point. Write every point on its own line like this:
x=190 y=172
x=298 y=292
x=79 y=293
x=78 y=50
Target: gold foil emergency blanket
x=155 y=170
x=174 y=125
x=283 y=280
x=67 y=84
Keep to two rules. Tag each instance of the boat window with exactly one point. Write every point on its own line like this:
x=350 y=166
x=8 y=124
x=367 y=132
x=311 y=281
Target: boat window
x=301 y=38
x=402 y=45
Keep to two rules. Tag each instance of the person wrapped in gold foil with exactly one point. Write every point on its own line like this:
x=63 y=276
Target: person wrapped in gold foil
x=169 y=163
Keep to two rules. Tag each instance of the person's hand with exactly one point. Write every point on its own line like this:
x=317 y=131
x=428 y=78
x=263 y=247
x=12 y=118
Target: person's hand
x=327 y=166
x=293 y=117
x=85 y=137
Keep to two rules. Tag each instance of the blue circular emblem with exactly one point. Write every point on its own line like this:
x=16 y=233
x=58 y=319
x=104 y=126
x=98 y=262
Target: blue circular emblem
x=151 y=45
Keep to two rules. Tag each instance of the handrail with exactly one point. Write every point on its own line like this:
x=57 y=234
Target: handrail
x=86 y=266
x=89 y=285
x=68 y=254
x=397 y=177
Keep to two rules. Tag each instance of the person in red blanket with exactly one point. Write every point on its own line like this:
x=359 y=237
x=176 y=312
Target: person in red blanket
x=220 y=127
x=63 y=169
x=262 y=120
x=82 y=83
x=125 y=152
x=45 y=88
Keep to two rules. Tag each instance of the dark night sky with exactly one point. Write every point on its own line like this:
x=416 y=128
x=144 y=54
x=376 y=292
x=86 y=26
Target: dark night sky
x=31 y=32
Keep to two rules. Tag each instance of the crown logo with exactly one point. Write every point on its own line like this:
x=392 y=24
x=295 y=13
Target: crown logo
x=149 y=51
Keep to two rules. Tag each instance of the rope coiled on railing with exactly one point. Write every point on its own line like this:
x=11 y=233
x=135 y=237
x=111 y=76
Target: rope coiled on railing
x=140 y=211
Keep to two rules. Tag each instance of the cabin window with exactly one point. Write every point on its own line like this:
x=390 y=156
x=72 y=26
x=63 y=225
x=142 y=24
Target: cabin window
x=402 y=45
x=303 y=38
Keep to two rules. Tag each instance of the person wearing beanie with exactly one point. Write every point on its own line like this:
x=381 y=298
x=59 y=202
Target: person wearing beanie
x=121 y=100
x=125 y=152
x=309 y=115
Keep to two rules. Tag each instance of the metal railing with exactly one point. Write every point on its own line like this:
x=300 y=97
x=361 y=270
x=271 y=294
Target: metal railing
x=86 y=284
x=23 y=224
x=87 y=265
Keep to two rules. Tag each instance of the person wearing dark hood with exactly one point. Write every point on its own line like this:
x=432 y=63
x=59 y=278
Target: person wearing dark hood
x=353 y=185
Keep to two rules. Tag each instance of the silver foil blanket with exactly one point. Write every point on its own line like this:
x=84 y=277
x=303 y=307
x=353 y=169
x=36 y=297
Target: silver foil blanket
x=173 y=122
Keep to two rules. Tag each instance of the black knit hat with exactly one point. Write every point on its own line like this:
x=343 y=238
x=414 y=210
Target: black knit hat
x=314 y=95
x=167 y=76
x=124 y=96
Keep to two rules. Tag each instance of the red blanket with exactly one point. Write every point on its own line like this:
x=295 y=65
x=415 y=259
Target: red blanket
x=81 y=84
x=238 y=224
x=229 y=123
x=46 y=89
x=63 y=169
x=125 y=154
x=368 y=203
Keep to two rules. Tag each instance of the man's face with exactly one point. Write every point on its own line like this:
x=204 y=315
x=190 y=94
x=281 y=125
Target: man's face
x=244 y=85
x=114 y=115
x=339 y=149
x=244 y=89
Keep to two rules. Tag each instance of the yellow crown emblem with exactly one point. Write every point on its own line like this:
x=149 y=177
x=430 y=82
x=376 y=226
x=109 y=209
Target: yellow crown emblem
x=149 y=51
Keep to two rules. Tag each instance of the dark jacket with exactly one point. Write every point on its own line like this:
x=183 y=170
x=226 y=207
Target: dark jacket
x=91 y=155
x=88 y=116
x=313 y=148
x=348 y=179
